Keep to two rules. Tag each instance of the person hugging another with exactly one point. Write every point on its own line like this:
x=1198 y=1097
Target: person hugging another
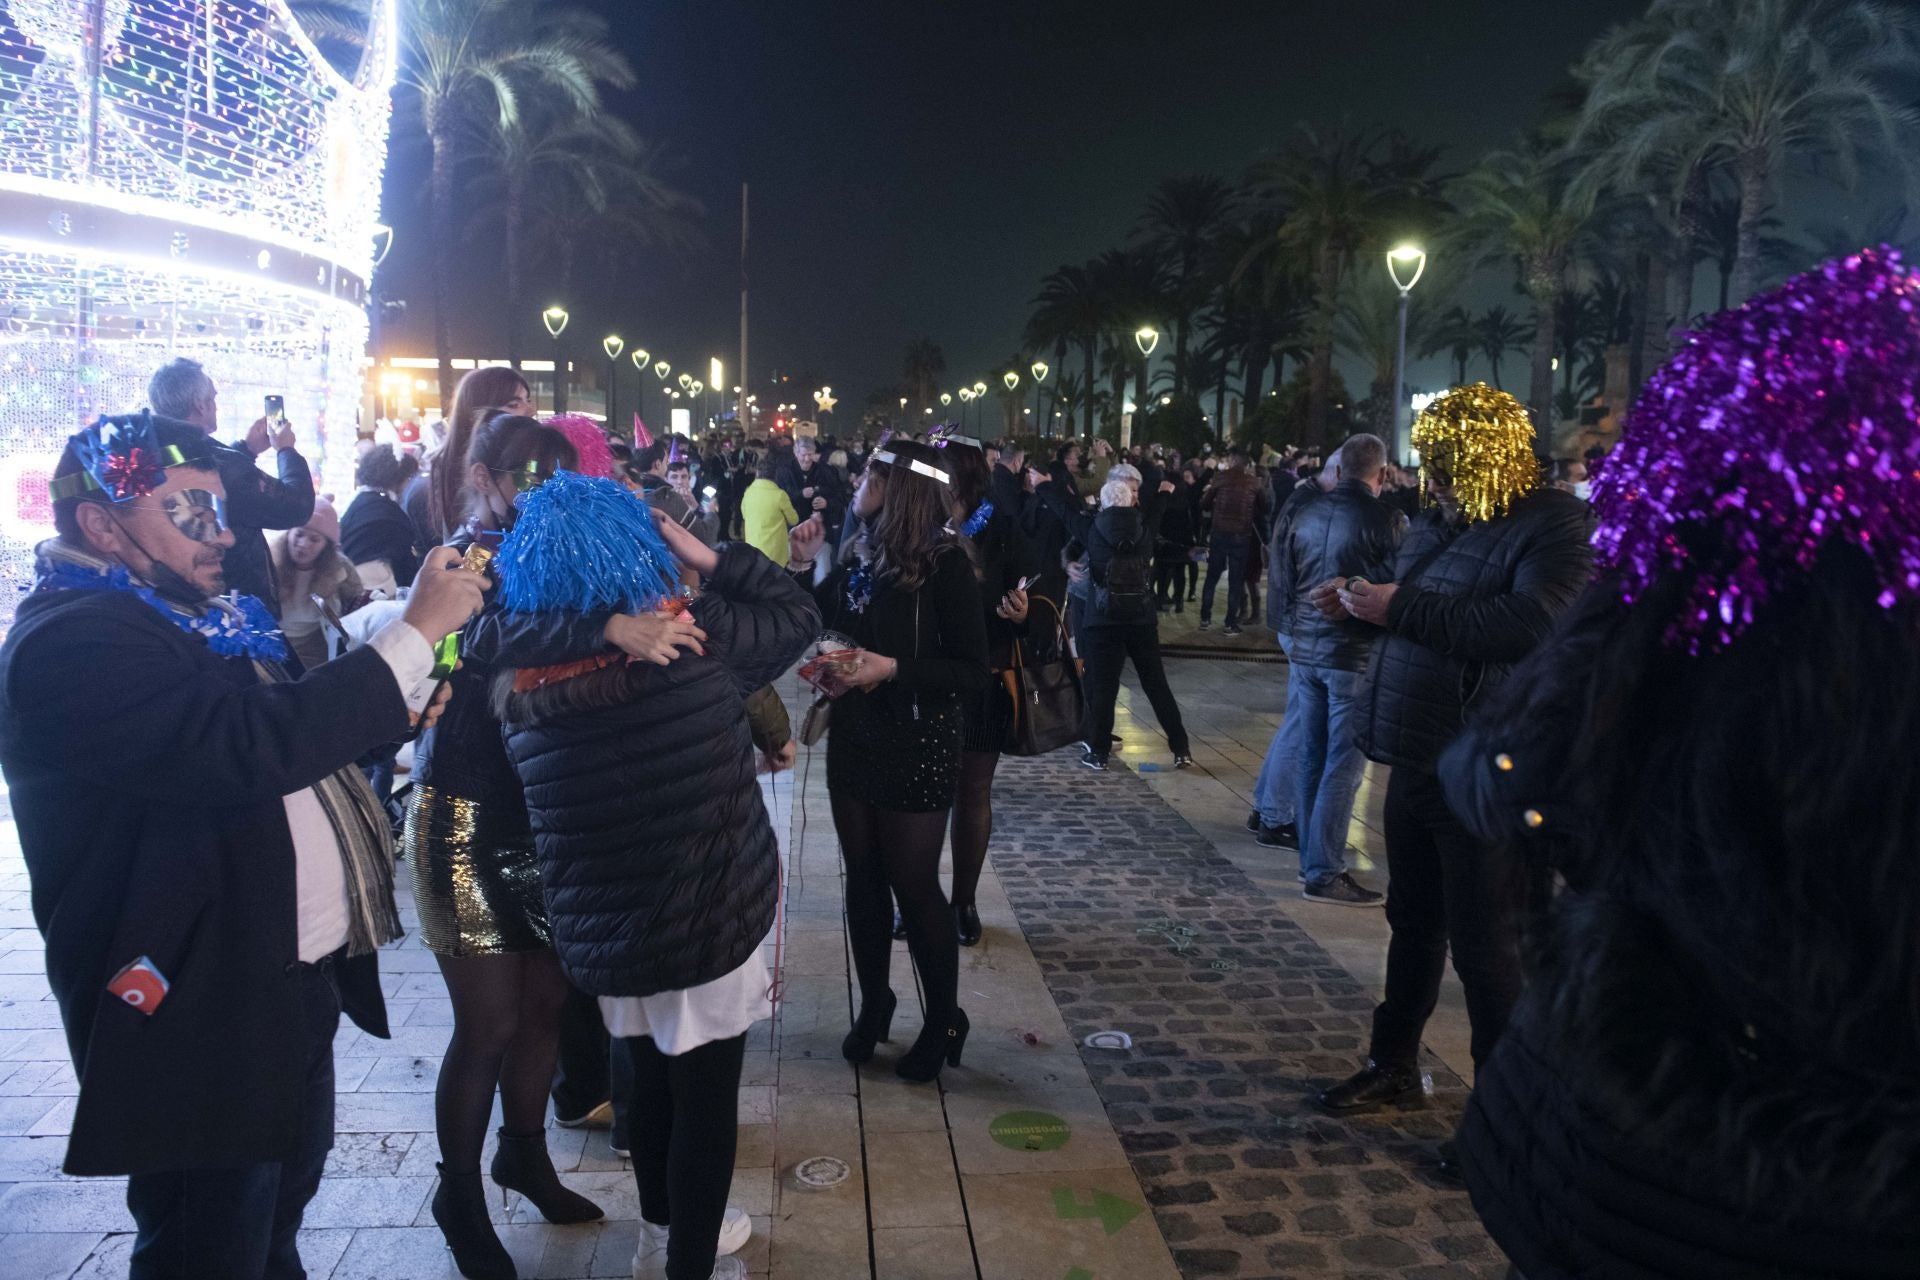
x=624 y=717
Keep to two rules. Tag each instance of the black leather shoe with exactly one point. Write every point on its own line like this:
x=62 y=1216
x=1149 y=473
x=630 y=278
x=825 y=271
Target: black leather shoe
x=967 y=920
x=874 y=1024
x=1284 y=836
x=1374 y=1088
x=936 y=1046
x=1253 y=821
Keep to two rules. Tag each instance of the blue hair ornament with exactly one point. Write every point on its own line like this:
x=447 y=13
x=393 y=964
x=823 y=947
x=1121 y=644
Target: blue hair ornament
x=584 y=543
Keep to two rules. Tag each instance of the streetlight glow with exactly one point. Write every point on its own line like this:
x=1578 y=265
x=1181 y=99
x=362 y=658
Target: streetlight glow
x=1410 y=257
x=613 y=344
x=1040 y=371
x=1146 y=337
x=1011 y=378
x=1413 y=259
x=716 y=374
x=555 y=318
x=979 y=388
x=685 y=380
x=640 y=357
x=946 y=398
x=661 y=370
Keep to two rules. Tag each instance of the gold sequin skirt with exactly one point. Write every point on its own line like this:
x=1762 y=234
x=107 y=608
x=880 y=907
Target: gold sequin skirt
x=476 y=896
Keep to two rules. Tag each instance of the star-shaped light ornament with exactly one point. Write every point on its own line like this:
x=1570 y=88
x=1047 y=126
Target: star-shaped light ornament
x=824 y=399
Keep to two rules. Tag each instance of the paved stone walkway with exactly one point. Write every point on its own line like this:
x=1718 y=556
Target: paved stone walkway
x=1191 y=1154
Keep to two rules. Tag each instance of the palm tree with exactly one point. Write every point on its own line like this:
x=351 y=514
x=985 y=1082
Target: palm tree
x=1521 y=205
x=922 y=370
x=338 y=28
x=1719 y=242
x=1581 y=326
x=1370 y=330
x=584 y=169
x=1500 y=332
x=466 y=60
x=1070 y=309
x=1457 y=333
x=1756 y=83
x=1341 y=193
x=1185 y=217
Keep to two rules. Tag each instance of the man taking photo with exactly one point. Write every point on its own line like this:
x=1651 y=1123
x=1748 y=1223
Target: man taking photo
x=210 y=873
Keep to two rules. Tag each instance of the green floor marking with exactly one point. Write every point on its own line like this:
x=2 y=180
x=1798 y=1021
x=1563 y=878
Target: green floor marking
x=1030 y=1131
x=1113 y=1212
x=1079 y=1273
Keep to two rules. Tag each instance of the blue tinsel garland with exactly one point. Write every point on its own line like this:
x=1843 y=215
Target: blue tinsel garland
x=246 y=630
x=977 y=521
x=584 y=543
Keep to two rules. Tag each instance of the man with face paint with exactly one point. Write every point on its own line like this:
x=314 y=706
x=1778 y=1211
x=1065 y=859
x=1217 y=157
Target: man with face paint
x=211 y=875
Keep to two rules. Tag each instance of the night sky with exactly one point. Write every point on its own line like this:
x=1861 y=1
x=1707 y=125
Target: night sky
x=917 y=168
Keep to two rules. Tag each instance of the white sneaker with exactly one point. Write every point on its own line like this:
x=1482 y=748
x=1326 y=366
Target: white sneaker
x=735 y=1230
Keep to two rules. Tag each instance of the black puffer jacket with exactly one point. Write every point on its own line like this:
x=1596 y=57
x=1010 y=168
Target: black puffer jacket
x=1472 y=601
x=1347 y=533
x=659 y=864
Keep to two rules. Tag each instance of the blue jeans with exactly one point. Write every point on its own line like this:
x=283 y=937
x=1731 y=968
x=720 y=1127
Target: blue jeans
x=1330 y=765
x=1273 y=790
x=1226 y=553
x=241 y=1224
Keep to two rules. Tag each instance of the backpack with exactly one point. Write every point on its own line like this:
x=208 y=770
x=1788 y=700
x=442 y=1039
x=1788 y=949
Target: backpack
x=1127 y=593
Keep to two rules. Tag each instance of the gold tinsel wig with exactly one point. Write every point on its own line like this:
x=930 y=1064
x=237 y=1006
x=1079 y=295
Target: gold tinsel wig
x=1482 y=438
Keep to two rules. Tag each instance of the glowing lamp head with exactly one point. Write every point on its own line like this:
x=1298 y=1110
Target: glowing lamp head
x=1146 y=337
x=1011 y=378
x=555 y=318
x=640 y=356
x=979 y=388
x=696 y=387
x=661 y=370
x=946 y=398
x=685 y=380
x=613 y=344
x=1040 y=370
x=1408 y=260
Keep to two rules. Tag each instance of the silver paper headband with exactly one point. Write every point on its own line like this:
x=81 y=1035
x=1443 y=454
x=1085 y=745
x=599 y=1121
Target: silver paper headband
x=893 y=460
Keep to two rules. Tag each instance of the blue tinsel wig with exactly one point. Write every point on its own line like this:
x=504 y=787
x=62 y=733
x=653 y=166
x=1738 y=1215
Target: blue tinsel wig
x=585 y=543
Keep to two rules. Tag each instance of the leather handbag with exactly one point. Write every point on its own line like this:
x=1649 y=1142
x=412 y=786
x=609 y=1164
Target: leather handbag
x=1046 y=695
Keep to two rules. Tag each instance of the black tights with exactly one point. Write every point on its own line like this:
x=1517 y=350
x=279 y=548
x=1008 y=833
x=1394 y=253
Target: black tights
x=684 y=1128
x=972 y=823
x=506 y=1032
x=898 y=852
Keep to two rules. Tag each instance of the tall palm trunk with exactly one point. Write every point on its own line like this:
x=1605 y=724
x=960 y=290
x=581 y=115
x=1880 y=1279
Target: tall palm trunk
x=1752 y=167
x=1045 y=426
x=1091 y=343
x=1180 y=326
x=1540 y=383
x=440 y=189
x=516 y=204
x=1681 y=250
x=1651 y=341
x=1326 y=303
x=1220 y=404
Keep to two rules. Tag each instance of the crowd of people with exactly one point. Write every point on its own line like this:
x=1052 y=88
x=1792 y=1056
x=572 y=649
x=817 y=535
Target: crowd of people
x=1622 y=735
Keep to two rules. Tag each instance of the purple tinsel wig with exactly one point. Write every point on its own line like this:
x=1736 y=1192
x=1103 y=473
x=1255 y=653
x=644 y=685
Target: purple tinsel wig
x=1781 y=425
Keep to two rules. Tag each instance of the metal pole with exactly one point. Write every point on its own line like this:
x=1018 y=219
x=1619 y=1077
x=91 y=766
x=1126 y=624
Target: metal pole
x=746 y=382
x=613 y=393
x=559 y=378
x=1400 y=383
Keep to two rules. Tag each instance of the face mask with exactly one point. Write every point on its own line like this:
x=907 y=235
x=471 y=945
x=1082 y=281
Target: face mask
x=194 y=512
x=166 y=582
x=1583 y=490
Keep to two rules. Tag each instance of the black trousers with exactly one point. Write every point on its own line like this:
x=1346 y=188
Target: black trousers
x=1169 y=575
x=1444 y=892
x=590 y=1069
x=1106 y=647
x=242 y=1224
x=686 y=1126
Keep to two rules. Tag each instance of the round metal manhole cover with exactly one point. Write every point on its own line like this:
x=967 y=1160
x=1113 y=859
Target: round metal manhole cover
x=1109 y=1040
x=822 y=1172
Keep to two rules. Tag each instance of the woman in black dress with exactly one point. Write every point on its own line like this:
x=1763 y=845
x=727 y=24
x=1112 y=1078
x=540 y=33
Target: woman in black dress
x=477 y=887
x=1002 y=563
x=907 y=594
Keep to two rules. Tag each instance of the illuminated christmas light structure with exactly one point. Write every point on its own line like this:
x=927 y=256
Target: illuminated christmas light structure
x=180 y=177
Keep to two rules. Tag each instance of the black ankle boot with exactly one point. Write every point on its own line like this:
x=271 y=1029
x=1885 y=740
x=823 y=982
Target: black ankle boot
x=522 y=1164
x=460 y=1208
x=1375 y=1088
x=939 y=1045
x=874 y=1024
x=967 y=919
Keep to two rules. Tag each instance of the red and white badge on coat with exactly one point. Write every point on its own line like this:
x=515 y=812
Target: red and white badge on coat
x=141 y=985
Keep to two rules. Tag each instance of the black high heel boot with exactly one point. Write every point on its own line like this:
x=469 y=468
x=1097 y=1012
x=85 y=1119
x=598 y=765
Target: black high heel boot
x=522 y=1164
x=874 y=1024
x=967 y=919
x=937 y=1046
x=460 y=1209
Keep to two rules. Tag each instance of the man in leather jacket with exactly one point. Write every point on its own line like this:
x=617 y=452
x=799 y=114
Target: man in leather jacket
x=1349 y=533
x=1476 y=590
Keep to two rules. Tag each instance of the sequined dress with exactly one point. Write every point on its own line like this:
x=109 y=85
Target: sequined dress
x=468 y=838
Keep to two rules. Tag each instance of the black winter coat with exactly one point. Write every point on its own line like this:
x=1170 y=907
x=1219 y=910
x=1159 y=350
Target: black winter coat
x=660 y=867
x=148 y=776
x=1471 y=602
x=257 y=501
x=1280 y=555
x=1347 y=533
x=825 y=483
x=375 y=527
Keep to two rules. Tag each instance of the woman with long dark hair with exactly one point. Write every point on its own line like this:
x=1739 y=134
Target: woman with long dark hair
x=1715 y=1069
x=477 y=887
x=495 y=389
x=1002 y=562
x=906 y=593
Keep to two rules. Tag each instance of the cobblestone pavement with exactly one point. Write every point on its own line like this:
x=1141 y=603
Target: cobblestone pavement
x=1236 y=1016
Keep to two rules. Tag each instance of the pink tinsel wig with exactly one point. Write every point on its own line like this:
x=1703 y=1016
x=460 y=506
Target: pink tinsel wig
x=589 y=441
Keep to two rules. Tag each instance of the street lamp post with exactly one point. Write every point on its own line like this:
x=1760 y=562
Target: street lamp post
x=1412 y=259
x=1040 y=372
x=555 y=318
x=640 y=357
x=613 y=344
